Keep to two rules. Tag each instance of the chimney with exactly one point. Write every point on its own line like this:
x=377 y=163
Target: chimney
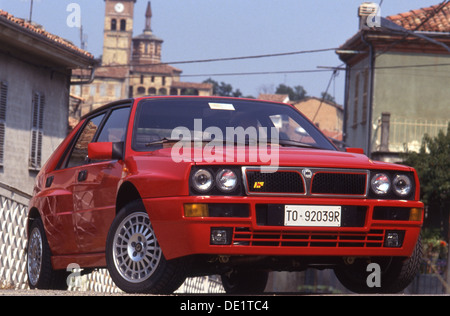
x=367 y=13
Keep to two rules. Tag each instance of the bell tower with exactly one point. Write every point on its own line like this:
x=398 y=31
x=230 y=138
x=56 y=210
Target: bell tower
x=118 y=32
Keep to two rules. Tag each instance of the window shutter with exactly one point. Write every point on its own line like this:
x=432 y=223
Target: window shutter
x=3 y=102
x=37 y=134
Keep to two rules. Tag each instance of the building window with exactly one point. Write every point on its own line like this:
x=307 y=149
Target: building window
x=123 y=25
x=118 y=88
x=37 y=130
x=3 y=102
x=113 y=25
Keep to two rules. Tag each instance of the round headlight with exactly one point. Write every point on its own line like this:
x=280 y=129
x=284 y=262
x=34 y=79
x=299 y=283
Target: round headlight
x=226 y=180
x=380 y=183
x=402 y=185
x=202 y=180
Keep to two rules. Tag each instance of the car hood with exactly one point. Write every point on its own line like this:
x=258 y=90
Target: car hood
x=280 y=157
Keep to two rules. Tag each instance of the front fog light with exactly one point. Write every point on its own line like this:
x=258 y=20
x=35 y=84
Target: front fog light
x=221 y=236
x=394 y=239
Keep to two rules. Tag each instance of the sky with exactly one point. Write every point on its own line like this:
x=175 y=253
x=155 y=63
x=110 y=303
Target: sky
x=209 y=29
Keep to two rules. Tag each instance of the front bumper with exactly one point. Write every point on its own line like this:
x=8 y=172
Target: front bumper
x=364 y=233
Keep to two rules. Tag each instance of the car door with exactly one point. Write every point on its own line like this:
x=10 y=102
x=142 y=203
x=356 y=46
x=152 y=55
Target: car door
x=60 y=183
x=94 y=194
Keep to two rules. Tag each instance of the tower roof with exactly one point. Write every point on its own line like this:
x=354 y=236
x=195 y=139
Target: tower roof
x=148 y=34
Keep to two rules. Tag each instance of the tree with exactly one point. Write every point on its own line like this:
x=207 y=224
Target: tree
x=432 y=163
x=328 y=97
x=223 y=89
x=296 y=93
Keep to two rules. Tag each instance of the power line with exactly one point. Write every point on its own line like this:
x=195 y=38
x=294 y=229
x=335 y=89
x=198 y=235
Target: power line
x=259 y=73
x=321 y=69
x=227 y=58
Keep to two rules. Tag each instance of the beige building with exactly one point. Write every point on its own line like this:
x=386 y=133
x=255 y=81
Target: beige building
x=397 y=86
x=130 y=66
x=328 y=116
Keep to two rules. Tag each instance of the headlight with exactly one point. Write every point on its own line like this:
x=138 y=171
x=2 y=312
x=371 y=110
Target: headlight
x=380 y=184
x=226 y=180
x=402 y=185
x=202 y=180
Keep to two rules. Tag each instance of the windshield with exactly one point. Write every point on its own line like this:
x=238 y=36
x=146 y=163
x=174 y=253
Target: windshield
x=245 y=122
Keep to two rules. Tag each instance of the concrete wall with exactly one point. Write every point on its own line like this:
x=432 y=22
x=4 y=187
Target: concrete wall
x=24 y=79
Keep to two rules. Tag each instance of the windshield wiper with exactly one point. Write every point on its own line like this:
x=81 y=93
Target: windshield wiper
x=174 y=140
x=288 y=142
x=162 y=141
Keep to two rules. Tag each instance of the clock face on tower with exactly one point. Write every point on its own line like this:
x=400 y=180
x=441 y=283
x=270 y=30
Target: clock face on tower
x=119 y=7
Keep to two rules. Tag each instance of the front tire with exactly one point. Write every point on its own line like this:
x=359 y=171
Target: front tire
x=396 y=273
x=134 y=258
x=245 y=281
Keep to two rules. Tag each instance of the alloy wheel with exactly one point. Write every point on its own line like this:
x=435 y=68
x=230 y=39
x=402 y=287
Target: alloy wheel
x=34 y=253
x=136 y=251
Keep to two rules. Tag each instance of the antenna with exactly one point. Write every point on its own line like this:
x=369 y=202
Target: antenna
x=31 y=10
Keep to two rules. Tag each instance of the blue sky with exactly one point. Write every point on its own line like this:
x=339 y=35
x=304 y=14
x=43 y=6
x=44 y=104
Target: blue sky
x=205 y=29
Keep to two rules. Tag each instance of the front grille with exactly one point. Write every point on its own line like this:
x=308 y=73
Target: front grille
x=277 y=182
x=244 y=236
x=339 y=183
x=307 y=182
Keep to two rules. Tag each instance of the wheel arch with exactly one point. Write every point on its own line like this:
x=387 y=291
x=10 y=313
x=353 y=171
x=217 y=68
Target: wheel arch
x=33 y=214
x=126 y=194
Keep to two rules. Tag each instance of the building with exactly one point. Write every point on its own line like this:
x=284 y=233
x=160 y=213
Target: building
x=397 y=85
x=328 y=116
x=35 y=74
x=130 y=66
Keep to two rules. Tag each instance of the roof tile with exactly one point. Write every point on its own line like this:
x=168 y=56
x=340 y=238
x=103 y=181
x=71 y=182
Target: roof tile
x=412 y=20
x=41 y=32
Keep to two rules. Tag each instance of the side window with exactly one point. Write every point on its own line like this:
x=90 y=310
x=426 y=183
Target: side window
x=80 y=150
x=115 y=128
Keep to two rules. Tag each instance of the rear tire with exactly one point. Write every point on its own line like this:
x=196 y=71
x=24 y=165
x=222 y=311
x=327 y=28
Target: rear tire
x=39 y=265
x=134 y=258
x=396 y=273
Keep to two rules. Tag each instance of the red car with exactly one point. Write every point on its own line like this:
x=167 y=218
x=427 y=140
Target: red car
x=158 y=189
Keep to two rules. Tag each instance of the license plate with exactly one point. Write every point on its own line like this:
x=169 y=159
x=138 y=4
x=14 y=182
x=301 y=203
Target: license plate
x=312 y=215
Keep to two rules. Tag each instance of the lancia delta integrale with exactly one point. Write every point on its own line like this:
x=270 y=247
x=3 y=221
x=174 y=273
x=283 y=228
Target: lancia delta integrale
x=158 y=189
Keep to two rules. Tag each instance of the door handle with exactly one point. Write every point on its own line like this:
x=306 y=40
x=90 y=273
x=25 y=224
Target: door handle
x=49 y=181
x=82 y=175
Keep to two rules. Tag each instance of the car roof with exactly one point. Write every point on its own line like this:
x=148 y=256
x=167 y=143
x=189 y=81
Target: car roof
x=131 y=100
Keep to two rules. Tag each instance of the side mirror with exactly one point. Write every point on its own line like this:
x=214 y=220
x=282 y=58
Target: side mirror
x=354 y=150
x=105 y=151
